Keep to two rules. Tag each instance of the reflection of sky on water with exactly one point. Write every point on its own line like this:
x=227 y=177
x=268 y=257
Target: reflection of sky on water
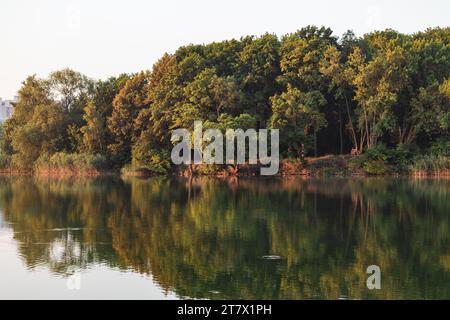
x=223 y=239
x=17 y=281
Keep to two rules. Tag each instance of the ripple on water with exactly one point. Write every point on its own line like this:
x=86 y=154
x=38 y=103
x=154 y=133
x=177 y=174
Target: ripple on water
x=271 y=257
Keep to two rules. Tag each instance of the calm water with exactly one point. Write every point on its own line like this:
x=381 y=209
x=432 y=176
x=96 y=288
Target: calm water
x=220 y=239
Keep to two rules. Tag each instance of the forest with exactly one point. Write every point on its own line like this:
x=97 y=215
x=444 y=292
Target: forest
x=384 y=98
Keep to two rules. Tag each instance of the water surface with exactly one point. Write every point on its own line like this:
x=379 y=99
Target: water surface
x=260 y=238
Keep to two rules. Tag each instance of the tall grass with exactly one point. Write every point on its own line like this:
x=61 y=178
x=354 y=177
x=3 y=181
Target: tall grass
x=71 y=162
x=431 y=164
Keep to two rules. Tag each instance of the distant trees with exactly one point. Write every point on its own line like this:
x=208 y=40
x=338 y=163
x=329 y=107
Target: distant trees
x=326 y=95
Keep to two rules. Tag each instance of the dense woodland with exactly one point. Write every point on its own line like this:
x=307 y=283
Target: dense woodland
x=384 y=96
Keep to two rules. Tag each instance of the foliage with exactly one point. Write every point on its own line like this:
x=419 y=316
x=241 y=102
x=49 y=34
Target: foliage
x=435 y=161
x=383 y=160
x=441 y=148
x=147 y=159
x=131 y=99
x=297 y=115
x=95 y=134
x=326 y=96
x=431 y=164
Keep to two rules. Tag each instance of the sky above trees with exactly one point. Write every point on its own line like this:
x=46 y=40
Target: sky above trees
x=104 y=38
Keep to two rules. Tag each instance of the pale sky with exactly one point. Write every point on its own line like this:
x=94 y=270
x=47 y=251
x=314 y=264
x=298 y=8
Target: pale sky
x=101 y=38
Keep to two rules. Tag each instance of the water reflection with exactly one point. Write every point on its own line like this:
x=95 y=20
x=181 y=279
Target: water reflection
x=240 y=239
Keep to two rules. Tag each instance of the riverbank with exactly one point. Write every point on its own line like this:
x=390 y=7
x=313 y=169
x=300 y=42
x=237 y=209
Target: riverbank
x=325 y=166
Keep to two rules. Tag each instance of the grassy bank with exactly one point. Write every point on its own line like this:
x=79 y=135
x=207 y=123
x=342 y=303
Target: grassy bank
x=405 y=160
x=325 y=166
x=59 y=164
x=379 y=161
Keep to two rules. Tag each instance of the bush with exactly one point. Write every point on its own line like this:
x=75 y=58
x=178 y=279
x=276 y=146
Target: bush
x=440 y=148
x=377 y=167
x=402 y=157
x=150 y=160
x=381 y=160
x=374 y=161
x=209 y=169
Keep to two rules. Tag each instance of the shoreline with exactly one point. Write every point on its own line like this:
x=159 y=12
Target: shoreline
x=286 y=171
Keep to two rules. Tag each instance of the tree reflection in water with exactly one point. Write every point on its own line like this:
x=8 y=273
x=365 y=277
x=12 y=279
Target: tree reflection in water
x=207 y=237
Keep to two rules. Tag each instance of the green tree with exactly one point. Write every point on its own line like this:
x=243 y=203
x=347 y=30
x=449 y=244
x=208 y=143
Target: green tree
x=379 y=83
x=131 y=99
x=258 y=68
x=96 y=136
x=337 y=67
x=300 y=56
x=297 y=116
x=428 y=67
x=42 y=135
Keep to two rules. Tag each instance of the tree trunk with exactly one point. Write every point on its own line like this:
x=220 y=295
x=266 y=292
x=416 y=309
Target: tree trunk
x=352 y=128
x=367 y=129
x=315 y=143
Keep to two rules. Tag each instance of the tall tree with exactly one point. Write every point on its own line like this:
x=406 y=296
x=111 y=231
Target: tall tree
x=296 y=114
x=132 y=98
x=258 y=69
x=96 y=136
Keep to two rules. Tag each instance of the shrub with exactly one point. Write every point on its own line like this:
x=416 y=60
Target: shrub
x=374 y=161
x=402 y=157
x=209 y=169
x=151 y=160
x=381 y=160
x=377 y=167
x=440 y=148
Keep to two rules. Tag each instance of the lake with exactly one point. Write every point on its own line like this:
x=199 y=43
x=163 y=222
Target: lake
x=235 y=238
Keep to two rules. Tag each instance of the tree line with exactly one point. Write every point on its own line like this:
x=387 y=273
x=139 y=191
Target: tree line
x=327 y=95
